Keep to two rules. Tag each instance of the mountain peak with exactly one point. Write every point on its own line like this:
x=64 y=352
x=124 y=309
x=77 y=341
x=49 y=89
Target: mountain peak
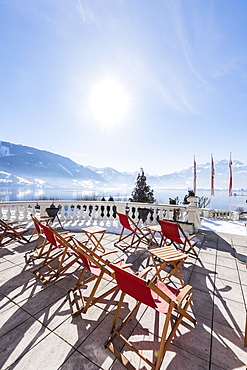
x=42 y=168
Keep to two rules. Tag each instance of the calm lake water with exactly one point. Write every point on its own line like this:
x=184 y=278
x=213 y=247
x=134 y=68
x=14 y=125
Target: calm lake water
x=221 y=199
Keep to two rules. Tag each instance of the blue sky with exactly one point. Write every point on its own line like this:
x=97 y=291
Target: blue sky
x=125 y=83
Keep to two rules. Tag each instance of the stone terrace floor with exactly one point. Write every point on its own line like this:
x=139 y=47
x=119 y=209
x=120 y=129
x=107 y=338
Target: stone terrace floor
x=38 y=331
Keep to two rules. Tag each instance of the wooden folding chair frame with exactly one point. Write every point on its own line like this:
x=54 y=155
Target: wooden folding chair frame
x=77 y=302
x=63 y=252
x=12 y=232
x=42 y=250
x=184 y=241
x=39 y=247
x=130 y=225
x=179 y=306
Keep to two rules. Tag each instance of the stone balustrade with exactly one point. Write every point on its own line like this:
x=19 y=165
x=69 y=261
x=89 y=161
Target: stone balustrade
x=96 y=211
x=219 y=214
x=75 y=211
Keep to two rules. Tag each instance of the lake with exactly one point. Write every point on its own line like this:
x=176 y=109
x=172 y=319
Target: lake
x=221 y=199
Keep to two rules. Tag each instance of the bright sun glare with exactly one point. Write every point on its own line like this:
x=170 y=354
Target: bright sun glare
x=109 y=103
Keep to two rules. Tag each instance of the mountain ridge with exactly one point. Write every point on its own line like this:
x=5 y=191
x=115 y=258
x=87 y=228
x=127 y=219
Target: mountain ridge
x=27 y=166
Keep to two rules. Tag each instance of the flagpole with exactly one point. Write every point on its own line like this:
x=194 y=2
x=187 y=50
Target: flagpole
x=211 y=199
x=194 y=175
x=230 y=182
x=212 y=181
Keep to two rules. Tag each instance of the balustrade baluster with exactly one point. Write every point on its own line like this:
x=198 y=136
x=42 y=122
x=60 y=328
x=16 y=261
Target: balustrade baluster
x=101 y=211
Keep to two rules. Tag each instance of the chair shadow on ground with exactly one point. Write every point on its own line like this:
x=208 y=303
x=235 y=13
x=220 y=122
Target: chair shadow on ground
x=47 y=303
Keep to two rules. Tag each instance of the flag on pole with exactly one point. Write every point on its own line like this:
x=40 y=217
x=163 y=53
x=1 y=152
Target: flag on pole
x=212 y=175
x=230 y=180
x=194 y=175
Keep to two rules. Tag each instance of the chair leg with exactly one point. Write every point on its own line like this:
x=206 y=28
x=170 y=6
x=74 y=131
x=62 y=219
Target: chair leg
x=99 y=299
x=192 y=250
x=245 y=336
x=89 y=300
x=164 y=343
x=175 y=270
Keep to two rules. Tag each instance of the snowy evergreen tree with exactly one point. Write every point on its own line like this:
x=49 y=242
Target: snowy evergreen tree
x=142 y=192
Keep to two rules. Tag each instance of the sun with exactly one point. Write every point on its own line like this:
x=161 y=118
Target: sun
x=109 y=102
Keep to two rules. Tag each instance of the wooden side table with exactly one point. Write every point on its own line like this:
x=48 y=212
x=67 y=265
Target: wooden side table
x=95 y=235
x=168 y=255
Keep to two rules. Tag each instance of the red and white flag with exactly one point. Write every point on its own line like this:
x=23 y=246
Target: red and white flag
x=230 y=179
x=194 y=175
x=212 y=176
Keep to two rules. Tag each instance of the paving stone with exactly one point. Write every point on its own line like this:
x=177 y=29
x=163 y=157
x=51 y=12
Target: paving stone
x=227 y=348
x=78 y=361
x=20 y=341
x=38 y=331
x=50 y=353
x=93 y=346
x=229 y=312
x=227 y=273
x=225 y=289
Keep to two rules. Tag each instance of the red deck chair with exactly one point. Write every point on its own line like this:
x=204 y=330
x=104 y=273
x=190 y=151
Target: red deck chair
x=63 y=257
x=41 y=243
x=136 y=234
x=40 y=249
x=176 y=235
x=160 y=297
x=97 y=266
x=11 y=232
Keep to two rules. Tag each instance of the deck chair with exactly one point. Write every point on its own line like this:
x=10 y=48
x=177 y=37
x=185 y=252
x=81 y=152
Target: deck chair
x=157 y=295
x=136 y=234
x=97 y=266
x=177 y=236
x=42 y=246
x=44 y=220
x=62 y=256
x=41 y=243
x=11 y=232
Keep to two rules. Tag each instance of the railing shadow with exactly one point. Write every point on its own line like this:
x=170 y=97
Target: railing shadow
x=216 y=331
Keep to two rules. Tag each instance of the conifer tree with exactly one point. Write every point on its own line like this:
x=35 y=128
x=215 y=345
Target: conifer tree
x=142 y=192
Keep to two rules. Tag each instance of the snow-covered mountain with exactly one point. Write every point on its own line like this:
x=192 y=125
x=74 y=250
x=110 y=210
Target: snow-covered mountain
x=184 y=179
x=22 y=165
x=119 y=179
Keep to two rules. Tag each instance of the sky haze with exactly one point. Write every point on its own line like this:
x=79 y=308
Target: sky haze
x=125 y=83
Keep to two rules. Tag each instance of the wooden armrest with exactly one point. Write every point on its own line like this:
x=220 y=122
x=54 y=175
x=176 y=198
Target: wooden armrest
x=143 y=272
x=192 y=236
x=184 y=292
x=19 y=225
x=106 y=253
x=127 y=266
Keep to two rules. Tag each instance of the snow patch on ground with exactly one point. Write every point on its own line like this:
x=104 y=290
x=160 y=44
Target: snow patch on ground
x=229 y=227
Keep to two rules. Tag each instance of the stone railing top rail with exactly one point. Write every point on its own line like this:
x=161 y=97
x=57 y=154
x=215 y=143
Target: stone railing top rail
x=78 y=210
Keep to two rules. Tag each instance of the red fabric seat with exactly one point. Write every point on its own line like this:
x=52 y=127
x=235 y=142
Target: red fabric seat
x=136 y=235
x=160 y=297
x=177 y=236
